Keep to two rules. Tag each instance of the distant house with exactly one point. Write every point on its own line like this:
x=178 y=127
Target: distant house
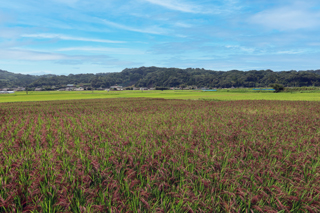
x=79 y=89
x=70 y=87
x=38 y=89
x=116 y=88
x=143 y=88
x=19 y=89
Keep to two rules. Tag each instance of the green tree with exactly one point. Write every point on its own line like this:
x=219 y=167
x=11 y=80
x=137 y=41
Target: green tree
x=277 y=87
x=183 y=86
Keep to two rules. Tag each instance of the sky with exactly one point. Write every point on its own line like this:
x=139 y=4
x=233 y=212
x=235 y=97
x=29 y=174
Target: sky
x=85 y=36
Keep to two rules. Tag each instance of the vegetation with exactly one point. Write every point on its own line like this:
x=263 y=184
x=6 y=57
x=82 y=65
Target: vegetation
x=148 y=155
x=223 y=94
x=301 y=89
x=277 y=87
x=8 y=79
x=167 y=77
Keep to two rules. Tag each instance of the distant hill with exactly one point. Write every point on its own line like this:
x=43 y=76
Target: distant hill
x=168 y=77
x=8 y=79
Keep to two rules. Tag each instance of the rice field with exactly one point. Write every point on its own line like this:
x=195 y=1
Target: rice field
x=157 y=155
x=221 y=95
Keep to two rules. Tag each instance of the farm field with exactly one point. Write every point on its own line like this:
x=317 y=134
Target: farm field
x=244 y=94
x=160 y=155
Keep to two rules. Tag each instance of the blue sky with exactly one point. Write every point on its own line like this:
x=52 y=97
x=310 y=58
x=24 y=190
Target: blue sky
x=85 y=36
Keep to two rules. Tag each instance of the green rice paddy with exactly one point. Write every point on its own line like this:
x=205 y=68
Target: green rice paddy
x=166 y=94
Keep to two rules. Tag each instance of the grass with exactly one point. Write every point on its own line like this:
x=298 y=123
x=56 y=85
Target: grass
x=243 y=94
x=158 y=155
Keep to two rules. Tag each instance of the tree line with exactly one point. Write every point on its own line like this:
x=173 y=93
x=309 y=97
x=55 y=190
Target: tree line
x=168 y=77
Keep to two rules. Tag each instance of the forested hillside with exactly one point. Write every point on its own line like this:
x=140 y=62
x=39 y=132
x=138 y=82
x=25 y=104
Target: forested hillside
x=168 y=77
x=8 y=79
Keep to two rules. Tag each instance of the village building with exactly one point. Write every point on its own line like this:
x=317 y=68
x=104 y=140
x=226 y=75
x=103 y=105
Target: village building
x=79 y=89
x=19 y=89
x=70 y=87
x=116 y=88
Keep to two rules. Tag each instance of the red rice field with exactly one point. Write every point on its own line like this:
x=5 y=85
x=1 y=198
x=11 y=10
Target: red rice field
x=155 y=155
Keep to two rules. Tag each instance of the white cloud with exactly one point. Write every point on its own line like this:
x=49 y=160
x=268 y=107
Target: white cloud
x=64 y=37
x=5 y=18
x=290 y=52
x=10 y=33
x=124 y=51
x=293 y=17
x=36 y=56
x=245 y=49
x=314 y=44
x=69 y=2
x=182 y=24
x=15 y=54
x=179 y=6
x=150 y=30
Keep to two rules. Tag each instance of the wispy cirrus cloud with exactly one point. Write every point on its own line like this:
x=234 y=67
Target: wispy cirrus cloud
x=66 y=1
x=124 y=51
x=291 y=17
x=151 y=30
x=179 y=6
x=4 y=17
x=29 y=55
x=38 y=56
x=183 y=24
x=71 y=38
